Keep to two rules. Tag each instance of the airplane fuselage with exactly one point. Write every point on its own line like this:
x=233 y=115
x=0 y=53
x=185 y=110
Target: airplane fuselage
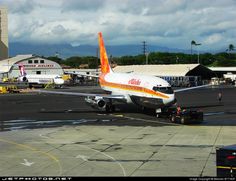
x=147 y=91
x=42 y=79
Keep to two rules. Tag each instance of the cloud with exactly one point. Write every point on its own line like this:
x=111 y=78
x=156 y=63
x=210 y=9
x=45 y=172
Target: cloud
x=213 y=39
x=170 y=23
x=81 y=5
x=59 y=30
x=20 y=7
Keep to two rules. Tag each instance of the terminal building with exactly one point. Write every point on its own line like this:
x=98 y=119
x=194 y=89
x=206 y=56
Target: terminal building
x=33 y=65
x=183 y=75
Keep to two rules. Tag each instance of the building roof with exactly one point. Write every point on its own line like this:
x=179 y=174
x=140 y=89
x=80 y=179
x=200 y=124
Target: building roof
x=223 y=69
x=158 y=70
x=5 y=65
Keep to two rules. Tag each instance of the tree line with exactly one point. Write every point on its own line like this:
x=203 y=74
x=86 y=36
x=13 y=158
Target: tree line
x=224 y=59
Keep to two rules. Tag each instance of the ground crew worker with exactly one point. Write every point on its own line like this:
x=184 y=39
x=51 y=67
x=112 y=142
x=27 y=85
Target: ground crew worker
x=178 y=110
x=219 y=96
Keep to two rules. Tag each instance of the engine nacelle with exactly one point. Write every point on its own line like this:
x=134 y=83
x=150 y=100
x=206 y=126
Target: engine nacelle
x=23 y=79
x=97 y=102
x=101 y=103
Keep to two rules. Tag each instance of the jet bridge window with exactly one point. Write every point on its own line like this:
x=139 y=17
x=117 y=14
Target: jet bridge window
x=166 y=90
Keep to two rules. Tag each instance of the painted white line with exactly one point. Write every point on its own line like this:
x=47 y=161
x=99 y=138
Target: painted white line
x=83 y=157
x=150 y=121
x=42 y=136
x=122 y=168
x=214 y=113
x=27 y=163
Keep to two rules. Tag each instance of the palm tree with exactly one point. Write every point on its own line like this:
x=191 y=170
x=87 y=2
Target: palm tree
x=192 y=43
x=231 y=47
x=195 y=44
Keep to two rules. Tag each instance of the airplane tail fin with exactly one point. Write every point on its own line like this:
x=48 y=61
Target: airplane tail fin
x=105 y=65
x=22 y=70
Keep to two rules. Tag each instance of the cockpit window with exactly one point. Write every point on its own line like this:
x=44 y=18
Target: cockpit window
x=166 y=90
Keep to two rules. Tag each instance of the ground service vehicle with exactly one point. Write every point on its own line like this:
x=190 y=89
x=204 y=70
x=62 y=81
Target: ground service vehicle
x=186 y=116
x=226 y=161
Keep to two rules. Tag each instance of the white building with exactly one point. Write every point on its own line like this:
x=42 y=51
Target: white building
x=33 y=65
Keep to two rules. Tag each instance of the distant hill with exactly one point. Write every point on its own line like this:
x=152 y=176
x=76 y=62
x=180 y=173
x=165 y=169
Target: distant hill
x=67 y=50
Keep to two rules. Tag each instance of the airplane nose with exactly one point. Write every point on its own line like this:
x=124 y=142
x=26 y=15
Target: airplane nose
x=170 y=100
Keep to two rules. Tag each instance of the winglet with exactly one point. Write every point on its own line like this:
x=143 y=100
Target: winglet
x=105 y=65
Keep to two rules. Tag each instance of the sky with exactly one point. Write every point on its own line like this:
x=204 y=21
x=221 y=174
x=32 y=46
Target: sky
x=167 y=23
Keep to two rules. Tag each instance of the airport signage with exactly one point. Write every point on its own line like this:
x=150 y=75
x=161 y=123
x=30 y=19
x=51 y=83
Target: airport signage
x=39 y=65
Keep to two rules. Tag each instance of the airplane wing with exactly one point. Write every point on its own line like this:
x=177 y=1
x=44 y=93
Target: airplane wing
x=108 y=96
x=83 y=75
x=191 y=88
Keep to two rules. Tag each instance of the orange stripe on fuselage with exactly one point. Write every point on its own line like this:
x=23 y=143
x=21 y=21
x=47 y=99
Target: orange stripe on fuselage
x=132 y=88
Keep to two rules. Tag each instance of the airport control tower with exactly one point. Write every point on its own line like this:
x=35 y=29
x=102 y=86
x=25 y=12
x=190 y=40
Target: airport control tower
x=3 y=33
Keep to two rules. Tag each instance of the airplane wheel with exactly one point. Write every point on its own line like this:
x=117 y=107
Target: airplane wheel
x=182 y=120
x=172 y=118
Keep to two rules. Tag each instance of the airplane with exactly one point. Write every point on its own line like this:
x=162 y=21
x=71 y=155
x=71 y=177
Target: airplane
x=146 y=91
x=39 y=79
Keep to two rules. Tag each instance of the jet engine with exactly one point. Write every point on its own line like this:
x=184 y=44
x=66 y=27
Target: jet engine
x=100 y=103
x=23 y=79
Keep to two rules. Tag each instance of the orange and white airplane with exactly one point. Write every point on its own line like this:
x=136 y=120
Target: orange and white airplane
x=145 y=91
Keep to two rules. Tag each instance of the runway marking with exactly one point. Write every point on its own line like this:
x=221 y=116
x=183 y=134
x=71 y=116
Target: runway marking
x=159 y=150
x=27 y=147
x=213 y=146
x=83 y=157
x=42 y=136
x=118 y=115
x=27 y=163
x=139 y=119
x=214 y=113
x=144 y=120
x=122 y=168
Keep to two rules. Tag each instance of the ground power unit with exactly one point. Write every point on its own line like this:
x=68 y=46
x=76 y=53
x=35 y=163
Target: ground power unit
x=226 y=161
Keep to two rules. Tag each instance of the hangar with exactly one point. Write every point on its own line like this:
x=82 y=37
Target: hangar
x=33 y=65
x=228 y=73
x=220 y=71
x=175 y=74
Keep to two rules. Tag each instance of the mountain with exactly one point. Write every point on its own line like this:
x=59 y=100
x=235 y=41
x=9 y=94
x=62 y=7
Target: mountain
x=67 y=50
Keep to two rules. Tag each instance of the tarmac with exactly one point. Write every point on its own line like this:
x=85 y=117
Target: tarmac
x=58 y=135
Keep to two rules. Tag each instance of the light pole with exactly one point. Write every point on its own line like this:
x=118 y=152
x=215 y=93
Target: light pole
x=198 y=61
x=146 y=53
x=196 y=44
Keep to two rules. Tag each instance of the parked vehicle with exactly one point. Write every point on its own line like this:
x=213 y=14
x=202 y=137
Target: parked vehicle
x=186 y=116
